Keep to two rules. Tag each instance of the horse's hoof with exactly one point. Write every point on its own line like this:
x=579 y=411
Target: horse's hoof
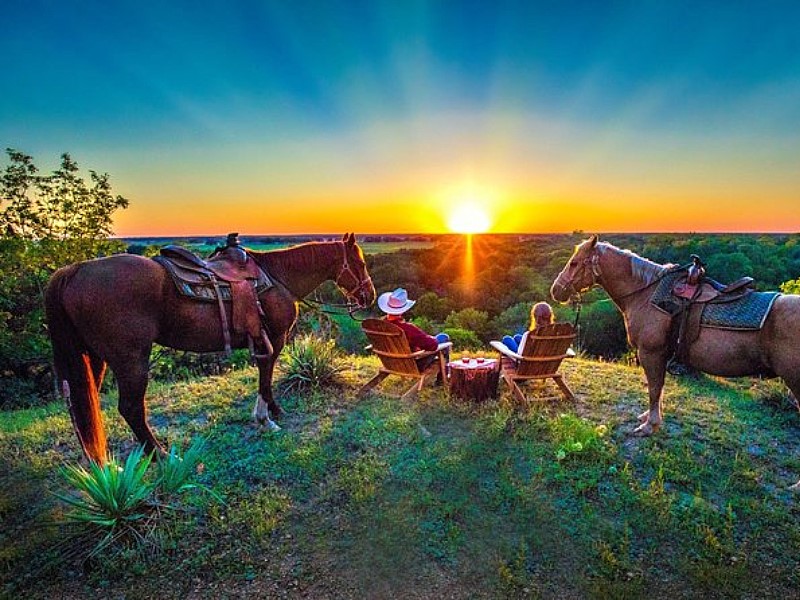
x=644 y=430
x=644 y=416
x=272 y=426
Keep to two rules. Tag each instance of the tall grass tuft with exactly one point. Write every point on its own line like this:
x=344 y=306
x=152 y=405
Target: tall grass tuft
x=311 y=363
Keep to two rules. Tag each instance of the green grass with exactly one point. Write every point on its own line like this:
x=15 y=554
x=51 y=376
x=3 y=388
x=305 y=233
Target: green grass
x=434 y=498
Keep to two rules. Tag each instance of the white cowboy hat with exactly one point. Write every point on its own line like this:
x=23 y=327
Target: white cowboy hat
x=396 y=302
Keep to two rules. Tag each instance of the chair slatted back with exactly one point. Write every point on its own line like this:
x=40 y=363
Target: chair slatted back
x=545 y=348
x=390 y=344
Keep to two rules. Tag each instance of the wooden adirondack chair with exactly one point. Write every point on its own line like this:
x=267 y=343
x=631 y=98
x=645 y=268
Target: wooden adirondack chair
x=389 y=343
x=542 y=352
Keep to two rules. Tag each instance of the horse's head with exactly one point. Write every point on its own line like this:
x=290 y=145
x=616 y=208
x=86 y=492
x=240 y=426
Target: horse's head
x=353 y=279
x=579 y=274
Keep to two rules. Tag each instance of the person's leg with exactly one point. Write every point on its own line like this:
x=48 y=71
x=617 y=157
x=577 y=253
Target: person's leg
x=510 y=343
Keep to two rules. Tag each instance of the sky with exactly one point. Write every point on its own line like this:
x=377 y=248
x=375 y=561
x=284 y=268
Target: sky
x=389 y=117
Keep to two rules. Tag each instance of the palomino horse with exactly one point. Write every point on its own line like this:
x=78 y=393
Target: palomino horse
x=629 y=280
x=110 y=311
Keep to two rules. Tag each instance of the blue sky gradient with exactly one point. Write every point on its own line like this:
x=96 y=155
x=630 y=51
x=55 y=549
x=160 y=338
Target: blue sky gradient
x=605 y=111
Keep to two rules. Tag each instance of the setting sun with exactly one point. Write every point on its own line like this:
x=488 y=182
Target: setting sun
x=468 y=217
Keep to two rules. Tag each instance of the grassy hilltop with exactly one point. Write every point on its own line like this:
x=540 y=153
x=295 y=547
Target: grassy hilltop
x=436 y=499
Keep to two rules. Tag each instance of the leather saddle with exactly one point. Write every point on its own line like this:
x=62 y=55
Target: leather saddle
x=230 y=276
x=697 y=287
x=691 y=294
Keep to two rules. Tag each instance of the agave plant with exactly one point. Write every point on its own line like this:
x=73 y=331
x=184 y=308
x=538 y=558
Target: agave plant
x=175 y=471
x=112 y=499
x=311 y=362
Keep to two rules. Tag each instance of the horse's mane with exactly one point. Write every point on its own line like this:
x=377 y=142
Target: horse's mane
x=642 y=268
x=299 y=258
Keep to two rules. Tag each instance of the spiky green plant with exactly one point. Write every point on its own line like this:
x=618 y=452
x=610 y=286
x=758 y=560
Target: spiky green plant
x=175 y=471
x=311 y=362
x=113 y=500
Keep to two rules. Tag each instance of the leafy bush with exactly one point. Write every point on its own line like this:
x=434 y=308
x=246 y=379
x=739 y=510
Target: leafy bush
x=574 y=435
x=349 y=335
x=311 y=363
x=463 y=339
x=46 y=221
x=167 y=364
x=471 y=319
x=515 y=319
x=791 y=287
x=602 y=330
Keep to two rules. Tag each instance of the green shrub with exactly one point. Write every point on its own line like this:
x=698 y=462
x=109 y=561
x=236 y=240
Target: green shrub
x=463 y=339
x=349 y=335
x=574 y=435
x=476 y=321
x=168 y=364
x=311 y=363
x=602 y=331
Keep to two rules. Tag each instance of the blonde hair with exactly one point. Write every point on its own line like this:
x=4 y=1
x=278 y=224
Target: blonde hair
x=541 y=314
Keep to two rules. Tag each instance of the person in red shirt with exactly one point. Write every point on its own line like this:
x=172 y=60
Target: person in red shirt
x=395 y=304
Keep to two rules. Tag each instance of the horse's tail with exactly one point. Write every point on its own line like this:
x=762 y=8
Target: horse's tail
x=73 y=368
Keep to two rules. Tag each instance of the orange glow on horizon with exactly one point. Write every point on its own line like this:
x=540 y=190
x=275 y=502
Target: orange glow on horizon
x=417 y=211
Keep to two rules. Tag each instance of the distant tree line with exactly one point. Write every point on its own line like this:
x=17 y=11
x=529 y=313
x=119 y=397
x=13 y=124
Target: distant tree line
x=509 y=273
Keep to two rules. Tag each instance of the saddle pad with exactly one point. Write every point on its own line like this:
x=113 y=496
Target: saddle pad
x=662 y=297
x=748 y=312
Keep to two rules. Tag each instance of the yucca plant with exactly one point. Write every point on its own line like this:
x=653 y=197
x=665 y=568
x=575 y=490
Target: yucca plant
x=175 y=471
x=311 y=362
x=113 y=499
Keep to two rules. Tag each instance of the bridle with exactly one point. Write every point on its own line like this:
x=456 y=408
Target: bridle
x=592 y=263
x=353 y=303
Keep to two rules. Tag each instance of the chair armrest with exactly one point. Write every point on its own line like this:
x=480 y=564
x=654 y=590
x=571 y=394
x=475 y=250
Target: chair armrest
x=505 y=350
x=424 y=353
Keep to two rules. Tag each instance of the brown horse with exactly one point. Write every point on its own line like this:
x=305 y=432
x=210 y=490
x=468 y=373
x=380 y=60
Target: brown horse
x=110 y=311
x=629 y=281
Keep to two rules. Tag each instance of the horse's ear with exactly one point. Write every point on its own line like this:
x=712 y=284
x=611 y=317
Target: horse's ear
x=344 y=237
x=593 y=241
x=350 y=239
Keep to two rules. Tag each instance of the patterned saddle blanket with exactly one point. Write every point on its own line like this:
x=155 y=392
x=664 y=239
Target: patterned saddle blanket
x=746 y=310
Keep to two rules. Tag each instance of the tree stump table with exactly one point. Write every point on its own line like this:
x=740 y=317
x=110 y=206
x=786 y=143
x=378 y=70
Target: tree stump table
x=475 y=379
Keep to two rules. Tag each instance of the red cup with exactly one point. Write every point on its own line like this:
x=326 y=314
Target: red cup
x=465 y=360
x=480 y=359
